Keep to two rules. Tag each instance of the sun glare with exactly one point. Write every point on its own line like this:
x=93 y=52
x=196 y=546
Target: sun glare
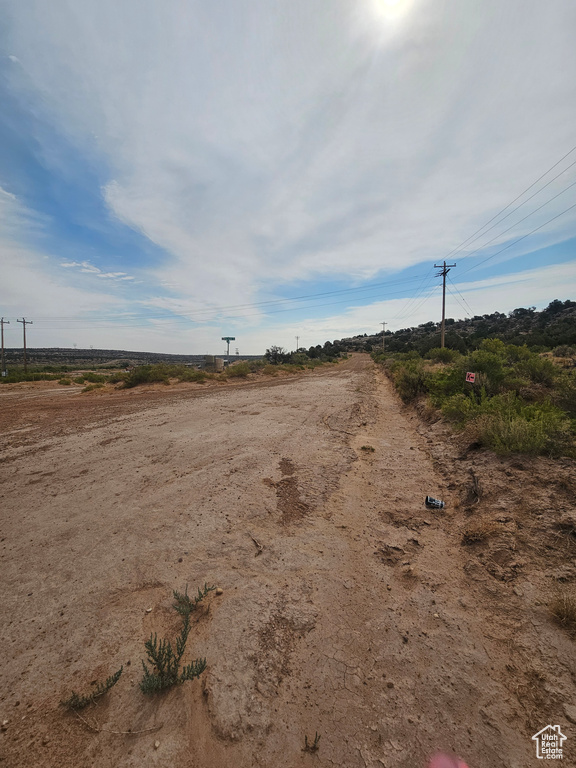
x=391 y=10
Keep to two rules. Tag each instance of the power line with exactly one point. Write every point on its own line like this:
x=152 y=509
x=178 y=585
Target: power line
x=512 y=201
x=456 y=297
x=499 y=235
x=179 y=320
x=421 y=288
x=462 y=297
x=221 y=310
x=519 y=239
x=471 y=239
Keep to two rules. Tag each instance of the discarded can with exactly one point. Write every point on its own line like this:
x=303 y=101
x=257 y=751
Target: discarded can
x=434 y=503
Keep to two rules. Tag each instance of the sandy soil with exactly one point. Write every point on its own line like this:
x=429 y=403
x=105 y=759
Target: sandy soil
x=348 y=608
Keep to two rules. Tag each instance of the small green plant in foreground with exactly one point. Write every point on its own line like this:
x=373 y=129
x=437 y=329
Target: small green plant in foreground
x=367 y=448
x=79 y=702
x=164 y=659
x=185 y=604
x=314 y=746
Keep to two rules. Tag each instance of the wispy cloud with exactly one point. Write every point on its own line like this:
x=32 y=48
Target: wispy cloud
x=257 y=145
x=87 y=267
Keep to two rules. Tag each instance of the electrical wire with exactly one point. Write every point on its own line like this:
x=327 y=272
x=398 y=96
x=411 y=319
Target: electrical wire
x=176 y=321
x=475 y=266
x=274 y=302
x=499 y=235
x=471 y=239
x=513 y=201
x=462 y=297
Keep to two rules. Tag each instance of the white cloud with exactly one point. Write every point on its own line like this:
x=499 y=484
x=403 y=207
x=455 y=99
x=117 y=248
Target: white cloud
x=88 y=268
x=258 y=143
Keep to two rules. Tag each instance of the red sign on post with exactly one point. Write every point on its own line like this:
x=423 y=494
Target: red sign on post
x=471 y=377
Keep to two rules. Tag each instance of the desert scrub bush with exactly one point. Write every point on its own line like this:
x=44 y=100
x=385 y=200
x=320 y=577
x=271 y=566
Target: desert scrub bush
x=238 y=370
x=563 y=609
x=479 y=530
x=192 y=374
x=538 y=369
x=117 y=377
x=164 y=659
x=270 y=370
x=411 y=379
x=460 y=408
x=95 y=378
x=526 y=429
x=564 y=351
x=147 y=374
x=443 y=355
x=92 y=387
x=65 y=382
x=76 y=701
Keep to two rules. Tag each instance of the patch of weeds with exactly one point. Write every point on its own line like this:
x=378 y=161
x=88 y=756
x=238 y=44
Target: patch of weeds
x=367 y=448
x=563 y=609
x=164 y=659
x=479 y=531
x=95 y=378
x=193 y=375
x=239 y=370
x=75 y=701
x=65 y=382
x=314 y=747
x=91 y=387
x=184 y=604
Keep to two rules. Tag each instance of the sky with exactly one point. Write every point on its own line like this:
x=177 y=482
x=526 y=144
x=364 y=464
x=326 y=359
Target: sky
x=174 y=172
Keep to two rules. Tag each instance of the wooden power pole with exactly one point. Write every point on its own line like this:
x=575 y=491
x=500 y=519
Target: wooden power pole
x=24 y=324
x=2 y=324
x=383 y=336
x=444 y=269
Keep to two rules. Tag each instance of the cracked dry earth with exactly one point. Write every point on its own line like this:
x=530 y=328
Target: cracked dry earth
x=348 y=609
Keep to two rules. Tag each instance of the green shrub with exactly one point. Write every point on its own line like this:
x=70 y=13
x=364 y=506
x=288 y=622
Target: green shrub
x=147 y=374
x=117 y=377
x=411 y=379
x=443 y=355
x=564 y=351
x=192 y=374
x=164 y=659
x=239 y=370
x=540 y=370
x=65 y=382
x=95 y=378
x=91 y=387
x=460 y=408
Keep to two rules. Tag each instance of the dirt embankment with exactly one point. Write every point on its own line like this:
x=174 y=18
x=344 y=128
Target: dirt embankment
x=348 y=608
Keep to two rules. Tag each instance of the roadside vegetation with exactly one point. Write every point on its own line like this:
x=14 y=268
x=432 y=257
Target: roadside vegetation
x=521 y=401
x=275 y=361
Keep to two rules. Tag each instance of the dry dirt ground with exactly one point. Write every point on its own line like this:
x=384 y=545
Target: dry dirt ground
x=348 y=609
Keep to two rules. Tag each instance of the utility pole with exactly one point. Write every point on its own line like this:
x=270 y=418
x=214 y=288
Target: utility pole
x=297 y=340
x=24 y=324
x=444 y=269
x=383 y=335
x=2 y=323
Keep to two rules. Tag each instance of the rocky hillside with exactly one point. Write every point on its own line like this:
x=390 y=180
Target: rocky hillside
x=552 y=327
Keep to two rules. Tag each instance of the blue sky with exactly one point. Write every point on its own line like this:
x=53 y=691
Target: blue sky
x=174 y=172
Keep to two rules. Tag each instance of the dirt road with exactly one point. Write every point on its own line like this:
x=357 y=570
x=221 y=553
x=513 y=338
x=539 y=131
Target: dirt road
x=348 y=608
